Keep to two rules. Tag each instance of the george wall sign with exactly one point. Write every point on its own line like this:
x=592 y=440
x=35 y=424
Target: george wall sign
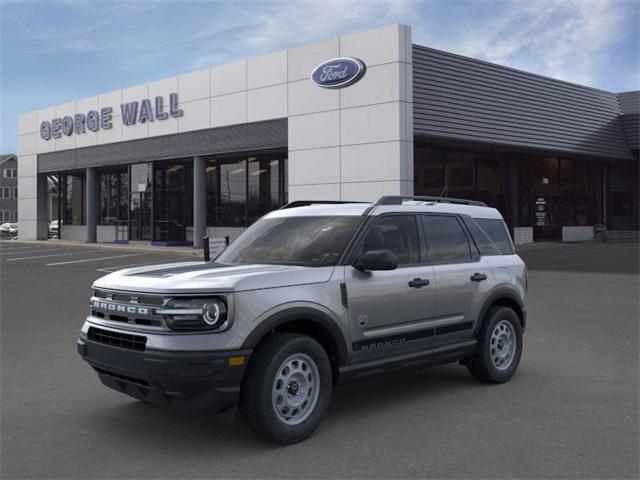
x=94 y=120
x=339 y=72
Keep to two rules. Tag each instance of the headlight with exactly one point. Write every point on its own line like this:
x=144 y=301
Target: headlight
x=195 y=314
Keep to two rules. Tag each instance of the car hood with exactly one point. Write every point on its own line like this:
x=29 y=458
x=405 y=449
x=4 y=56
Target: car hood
x=200 y=277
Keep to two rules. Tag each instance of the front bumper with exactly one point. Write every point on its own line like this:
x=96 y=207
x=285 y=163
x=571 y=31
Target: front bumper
x=195 y=382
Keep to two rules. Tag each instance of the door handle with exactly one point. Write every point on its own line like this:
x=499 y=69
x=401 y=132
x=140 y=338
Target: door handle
x=478 y=277
x=419 y=282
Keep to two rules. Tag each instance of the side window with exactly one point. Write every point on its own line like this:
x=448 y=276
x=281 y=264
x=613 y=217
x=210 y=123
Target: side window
x=398 y=234
x=484 y=243
x=498 y=233
x=447 y=241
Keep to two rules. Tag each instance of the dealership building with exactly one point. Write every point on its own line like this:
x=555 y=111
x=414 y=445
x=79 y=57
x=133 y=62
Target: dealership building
x=350 y=118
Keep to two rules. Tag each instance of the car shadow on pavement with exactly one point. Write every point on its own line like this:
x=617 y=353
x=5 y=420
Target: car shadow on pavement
x=353 y=403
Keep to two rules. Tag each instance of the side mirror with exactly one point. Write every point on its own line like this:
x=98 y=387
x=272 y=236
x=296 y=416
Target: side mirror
x=377 y=260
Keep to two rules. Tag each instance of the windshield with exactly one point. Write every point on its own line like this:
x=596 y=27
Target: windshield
x=306 y=241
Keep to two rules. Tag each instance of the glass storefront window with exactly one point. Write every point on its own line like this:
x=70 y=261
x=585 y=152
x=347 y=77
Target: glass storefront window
x=491 y=180
x=596 y=192
x=173 y=200
x=123 y=196
x=441 y=171
x=233 y=194
x=73 y=199
x=242 y=189
x=140 y=201
x=113 y=197
x=428 y=170
x=543 y=192
x=264 y=186
x=581 y=175
x=460 y=175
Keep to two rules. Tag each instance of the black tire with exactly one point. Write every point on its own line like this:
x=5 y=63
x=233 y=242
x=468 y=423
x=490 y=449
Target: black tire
x=256 y=398
x=482 y=366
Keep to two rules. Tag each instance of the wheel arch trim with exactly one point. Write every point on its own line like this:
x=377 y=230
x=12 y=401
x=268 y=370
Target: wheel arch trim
x=303 y=314
x=498 y=294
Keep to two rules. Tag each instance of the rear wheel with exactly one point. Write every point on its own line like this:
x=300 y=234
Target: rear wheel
x=287 y=388
x=499 y=346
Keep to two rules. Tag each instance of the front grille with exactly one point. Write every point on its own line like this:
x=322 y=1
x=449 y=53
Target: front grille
x=132 y=308
x=154 y=300
x=117 y=339
x=121 y=318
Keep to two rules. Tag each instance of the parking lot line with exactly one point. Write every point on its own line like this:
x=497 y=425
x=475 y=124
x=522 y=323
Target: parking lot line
x=147 y=264
x=50 y=255
x=92 y=259
x=22 y=251
x=20 y=247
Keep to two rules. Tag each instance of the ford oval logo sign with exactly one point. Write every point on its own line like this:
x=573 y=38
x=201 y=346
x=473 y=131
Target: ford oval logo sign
x=338 y=73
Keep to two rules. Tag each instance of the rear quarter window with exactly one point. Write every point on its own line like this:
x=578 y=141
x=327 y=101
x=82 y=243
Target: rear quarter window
x=497 y=232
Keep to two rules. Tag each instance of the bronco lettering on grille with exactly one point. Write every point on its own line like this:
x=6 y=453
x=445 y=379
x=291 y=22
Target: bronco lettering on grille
x=116 y=307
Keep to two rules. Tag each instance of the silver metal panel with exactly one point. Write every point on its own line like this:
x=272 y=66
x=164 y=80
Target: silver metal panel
x=236 y=138
x=460 y=98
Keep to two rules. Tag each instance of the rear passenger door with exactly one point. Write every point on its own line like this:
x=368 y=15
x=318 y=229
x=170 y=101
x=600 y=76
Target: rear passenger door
x=462 y=278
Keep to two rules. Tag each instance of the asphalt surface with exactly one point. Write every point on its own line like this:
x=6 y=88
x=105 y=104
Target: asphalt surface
x=571 y=411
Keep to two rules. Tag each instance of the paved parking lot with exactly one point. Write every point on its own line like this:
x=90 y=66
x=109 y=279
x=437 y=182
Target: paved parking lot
x=571 y=411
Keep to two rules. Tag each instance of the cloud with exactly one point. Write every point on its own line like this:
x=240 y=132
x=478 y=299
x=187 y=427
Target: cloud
x=58 y=50
x=569 y=40
x=263 y=27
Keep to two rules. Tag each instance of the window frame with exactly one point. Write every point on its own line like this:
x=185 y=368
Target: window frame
x=474 y=252
x=65 y=197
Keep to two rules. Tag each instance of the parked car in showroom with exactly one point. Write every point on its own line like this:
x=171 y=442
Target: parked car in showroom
x=311 y=295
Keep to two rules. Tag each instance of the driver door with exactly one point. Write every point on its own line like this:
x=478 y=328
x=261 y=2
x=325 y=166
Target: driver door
x=390 y=310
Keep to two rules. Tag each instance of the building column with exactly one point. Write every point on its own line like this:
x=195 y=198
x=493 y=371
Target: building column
x=199 y=201
x=41 y=207
x=91 y=205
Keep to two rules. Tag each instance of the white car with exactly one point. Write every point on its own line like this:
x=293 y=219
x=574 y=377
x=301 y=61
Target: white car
x=54 y=229
x=9 y=228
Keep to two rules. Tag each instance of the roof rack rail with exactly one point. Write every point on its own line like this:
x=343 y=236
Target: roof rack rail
x=398 y=199
x=306 y=203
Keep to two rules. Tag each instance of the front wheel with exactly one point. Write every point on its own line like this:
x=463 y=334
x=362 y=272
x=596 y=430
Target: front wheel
x=287 y=388
x=499 y=346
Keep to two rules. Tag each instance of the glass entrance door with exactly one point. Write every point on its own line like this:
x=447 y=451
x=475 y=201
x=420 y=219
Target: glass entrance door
x=546 y=201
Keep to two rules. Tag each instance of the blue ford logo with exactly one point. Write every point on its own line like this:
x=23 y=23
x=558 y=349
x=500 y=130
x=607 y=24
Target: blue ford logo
x=338 y=73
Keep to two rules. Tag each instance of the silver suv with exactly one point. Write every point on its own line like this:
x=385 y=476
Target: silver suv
x=310 y=295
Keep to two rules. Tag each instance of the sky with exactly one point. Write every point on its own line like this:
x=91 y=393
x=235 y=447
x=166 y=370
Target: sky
x=55 y=51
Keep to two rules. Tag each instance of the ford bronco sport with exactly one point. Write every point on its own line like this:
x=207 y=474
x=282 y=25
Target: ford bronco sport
x=310 y=295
